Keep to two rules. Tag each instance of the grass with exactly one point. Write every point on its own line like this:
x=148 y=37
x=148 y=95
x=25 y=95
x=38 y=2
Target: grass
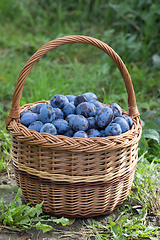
x=78 y=68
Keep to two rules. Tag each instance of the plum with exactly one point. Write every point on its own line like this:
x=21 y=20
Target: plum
x=102 y=133
x=128 y=119
x=36 y=108
x=90 y=96
x=117 y=110
x=71 y=98
x=70 y=132
x=25 y=111
x=97 y=104
x=69 y=117
x=86 y=109
x=79 y=99
x=69 y=108
x=80 y=134
x=61 y=125
x=113 y=129
x=29 y=118
x=92 y=122
x=93 y=133
x=35 y=126
x=58 y=101
x=47 y=114
x=123 y=123
x=58 y=113
x=104 y=116
x=78 y=123
x=48 y=128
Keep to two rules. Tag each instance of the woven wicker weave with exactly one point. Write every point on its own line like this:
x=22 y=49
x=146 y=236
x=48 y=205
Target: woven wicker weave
x=75 y=177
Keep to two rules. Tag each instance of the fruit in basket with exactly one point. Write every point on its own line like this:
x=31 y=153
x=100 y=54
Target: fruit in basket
x=29 y=118
x=80 y=134
x=128 y=119
x=104 y=116
x=102 y=133
x=113 y=129
x=86 y=109
x=90 y=96
x=36 y=108
x=69 y=133
x=47 y=114
x=78 y=123
x=69 y=108
x=93 y=133
x=123 y=123
x=117 y=111
x=35 y=126
x=58 y=113
x=69 y=117
x=85 y=117
x=92 y=122
x=48 y=128
x=58 y=101
x=79 y=99
x=97 y=104
x=61 y=125
x=71 y=98
x=25 y=111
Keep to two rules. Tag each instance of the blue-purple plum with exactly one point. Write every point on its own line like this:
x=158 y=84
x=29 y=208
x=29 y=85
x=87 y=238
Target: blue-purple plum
x=29 y=118
x=58 y=101
x=104 y=116
x=78 y=123
x=93 y=133
x=71 y=98
x=69 y=133
x=97 y=104
x=86 y=109
x=117 y=110
x=90 y=96
x=69 y=108
x=69 y=117
x=81 y=134
x=79 y=99
x=123 y=123
x=36 y=108
x=37 y=125
x=25 y=111
x=128 y=119
x=47 y=114
x=58 y=113
x=61 y=125
x=102 y=133
x=48 y=128
x=92 y=122
x=113 y=129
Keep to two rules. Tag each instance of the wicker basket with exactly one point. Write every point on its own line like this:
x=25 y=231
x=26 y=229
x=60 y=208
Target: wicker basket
x=75 y=177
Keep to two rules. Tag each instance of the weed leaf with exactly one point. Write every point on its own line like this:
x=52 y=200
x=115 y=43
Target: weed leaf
x=62 y=220
x=43 y=227
x=151 y=133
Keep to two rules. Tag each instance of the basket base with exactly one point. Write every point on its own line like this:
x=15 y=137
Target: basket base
x=84 y=216
x=71 y=201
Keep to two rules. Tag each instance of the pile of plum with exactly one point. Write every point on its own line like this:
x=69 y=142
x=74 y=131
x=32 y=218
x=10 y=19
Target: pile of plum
x=76 y=116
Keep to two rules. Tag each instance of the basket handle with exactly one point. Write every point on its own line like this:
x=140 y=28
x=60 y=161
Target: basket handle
x=15 y=109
